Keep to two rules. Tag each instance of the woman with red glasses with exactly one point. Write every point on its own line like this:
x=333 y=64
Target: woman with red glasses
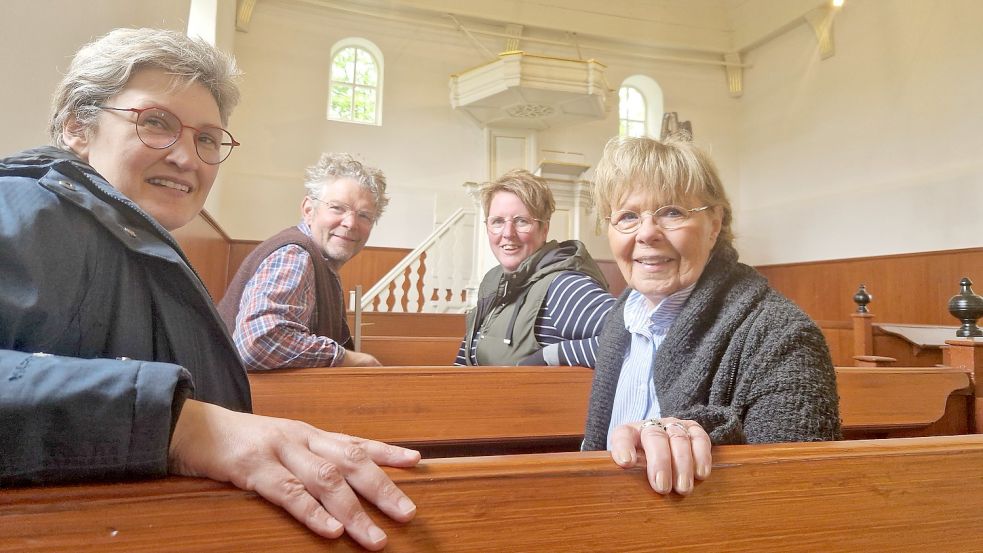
x=113 y=361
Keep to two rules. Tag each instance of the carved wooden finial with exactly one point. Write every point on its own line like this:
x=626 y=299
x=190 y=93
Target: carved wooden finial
x=968 y=308
x=862 y=298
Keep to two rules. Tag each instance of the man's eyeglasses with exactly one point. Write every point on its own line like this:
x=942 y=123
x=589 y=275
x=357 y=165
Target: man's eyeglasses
x=341 y=210
x=521 y=224
x=668 y=217
x=160 y=129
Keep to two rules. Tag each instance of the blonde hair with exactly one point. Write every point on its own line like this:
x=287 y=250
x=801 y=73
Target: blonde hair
x=102 y=68
x=674 y=170
x=533 y=191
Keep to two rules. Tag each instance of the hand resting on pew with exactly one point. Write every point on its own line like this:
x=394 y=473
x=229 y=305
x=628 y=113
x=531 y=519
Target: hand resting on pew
x=354 y=358
x=674 y=452
x=310 y=473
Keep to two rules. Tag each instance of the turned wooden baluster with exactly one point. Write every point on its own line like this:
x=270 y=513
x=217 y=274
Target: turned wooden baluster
x=863 y=333
x=966 y=350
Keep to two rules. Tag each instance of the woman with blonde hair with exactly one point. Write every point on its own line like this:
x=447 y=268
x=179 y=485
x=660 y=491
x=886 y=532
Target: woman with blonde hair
x=698 y=350
x=545 y=302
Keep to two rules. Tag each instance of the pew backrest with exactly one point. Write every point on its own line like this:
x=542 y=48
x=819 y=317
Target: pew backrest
x=921 y=494
x=451 y=411
x=440 y=410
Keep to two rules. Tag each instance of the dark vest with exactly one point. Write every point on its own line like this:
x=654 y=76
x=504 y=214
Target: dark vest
x=329 y=313
x=504 y=321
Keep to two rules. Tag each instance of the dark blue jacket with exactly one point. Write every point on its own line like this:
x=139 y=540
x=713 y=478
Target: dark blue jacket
x=124 y=327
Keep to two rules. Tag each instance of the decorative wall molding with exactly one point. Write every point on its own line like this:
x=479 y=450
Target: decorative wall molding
x=244 y=13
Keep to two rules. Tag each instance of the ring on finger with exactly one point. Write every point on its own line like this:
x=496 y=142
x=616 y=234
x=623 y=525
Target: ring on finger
x=683 y=431
x=652 y=422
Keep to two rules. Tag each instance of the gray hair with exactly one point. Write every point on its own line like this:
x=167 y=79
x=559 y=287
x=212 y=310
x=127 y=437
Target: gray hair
x=102 y=68
x=674 y=170
x=534 y=193
x=331 y=167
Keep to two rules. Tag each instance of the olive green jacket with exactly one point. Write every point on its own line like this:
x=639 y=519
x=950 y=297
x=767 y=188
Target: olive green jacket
x=503 y=323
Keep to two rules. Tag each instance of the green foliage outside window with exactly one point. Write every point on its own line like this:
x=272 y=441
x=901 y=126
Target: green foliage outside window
x=354 y=82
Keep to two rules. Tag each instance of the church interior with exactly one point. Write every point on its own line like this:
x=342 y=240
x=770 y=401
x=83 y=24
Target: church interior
x=847 y=136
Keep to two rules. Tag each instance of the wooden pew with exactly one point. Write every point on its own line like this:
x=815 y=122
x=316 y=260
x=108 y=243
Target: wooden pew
x=917 y=494
x=904 y=401
x=454 y=411
x=414 y=351
x=443 y=411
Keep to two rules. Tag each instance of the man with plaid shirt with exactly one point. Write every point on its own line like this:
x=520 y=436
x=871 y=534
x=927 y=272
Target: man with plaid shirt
x=285 y=306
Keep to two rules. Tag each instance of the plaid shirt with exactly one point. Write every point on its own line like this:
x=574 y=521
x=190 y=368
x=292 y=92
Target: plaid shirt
x=273 y=328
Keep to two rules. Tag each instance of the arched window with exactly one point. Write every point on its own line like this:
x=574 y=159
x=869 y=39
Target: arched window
x=355 y=85
x=640 y=107
x=631 y=106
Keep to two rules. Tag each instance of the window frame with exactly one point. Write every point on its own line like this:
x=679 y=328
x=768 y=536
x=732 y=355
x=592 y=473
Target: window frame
x=366 y=46
x=651 y=94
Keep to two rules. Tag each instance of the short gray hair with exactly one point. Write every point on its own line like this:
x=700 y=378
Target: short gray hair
x=102 y=68
x=333 y=166
x=674 y=169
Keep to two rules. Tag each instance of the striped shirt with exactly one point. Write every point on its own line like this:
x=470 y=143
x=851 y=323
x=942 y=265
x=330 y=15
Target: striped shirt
x=635 y=398
x=568 y=322
x=273 y=328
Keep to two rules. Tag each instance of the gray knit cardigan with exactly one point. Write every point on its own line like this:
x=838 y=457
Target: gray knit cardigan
x=740 y=359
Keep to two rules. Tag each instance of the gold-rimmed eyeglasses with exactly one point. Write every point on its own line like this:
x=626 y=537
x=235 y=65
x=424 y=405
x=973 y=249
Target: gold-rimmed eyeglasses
x=160 y=129
x=521 y=224
x=341 y=210
x=668 y=217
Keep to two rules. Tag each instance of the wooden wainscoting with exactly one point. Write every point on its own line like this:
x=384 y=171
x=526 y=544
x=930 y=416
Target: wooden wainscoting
x=207 y=247
x=217 y=257
x=907 y=288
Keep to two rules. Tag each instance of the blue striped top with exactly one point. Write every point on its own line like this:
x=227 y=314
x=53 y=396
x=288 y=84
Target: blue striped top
x=568 y=322
x=635 y=398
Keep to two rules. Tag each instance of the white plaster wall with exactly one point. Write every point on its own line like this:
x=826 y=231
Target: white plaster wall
x=877 y=150
x=37 y=41
x=426 y=149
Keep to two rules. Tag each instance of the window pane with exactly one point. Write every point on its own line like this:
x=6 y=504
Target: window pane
x=343 y=66
x=365 y=70
x=636 y=105
x=364 y=106
x=623 y=102
x=623 y=128
x=636 y=128
x=341 y=102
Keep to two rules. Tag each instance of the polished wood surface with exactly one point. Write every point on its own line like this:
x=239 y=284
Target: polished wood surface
x=403 y=351
x=207 y=248
x=616 y=281
x=374 y=323
x=883 y=399
x=454 y=410
x=919 y=494
x=216 y=257
x=907 y=288
x=844 y=346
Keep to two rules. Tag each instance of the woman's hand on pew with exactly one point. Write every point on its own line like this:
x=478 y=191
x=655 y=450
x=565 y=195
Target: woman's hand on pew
x=310 y=473
x=674 y=452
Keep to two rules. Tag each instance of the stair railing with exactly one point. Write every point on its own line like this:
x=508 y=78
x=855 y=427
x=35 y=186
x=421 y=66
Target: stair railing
x=433 y=278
